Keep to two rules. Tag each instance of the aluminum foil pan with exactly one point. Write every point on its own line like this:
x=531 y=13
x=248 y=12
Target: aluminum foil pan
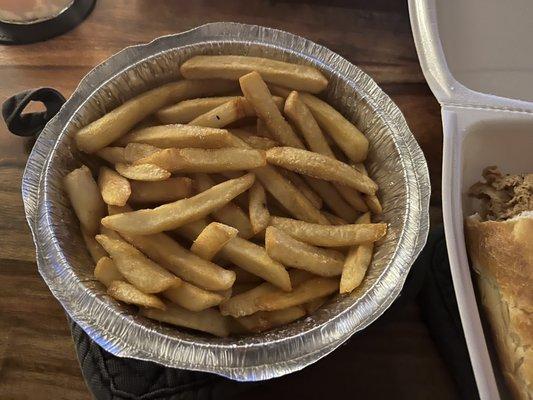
x=395 y=162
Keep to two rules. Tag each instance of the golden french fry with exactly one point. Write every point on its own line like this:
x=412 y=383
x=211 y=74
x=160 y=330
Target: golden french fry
x=334 y=219
x=371 y=201
x=332 y=198
x=298 y=77
x=187 y=110
x=320 y=166
x=294 y=253
x=109 y=232
x=115 y=189
x=226 y=294
x=214 y=237
x=301 y=294
x=245 y=303
x=171 y=255
x=246 y=255
x=256 y=142
x=206 y=160
x=106 y=271
x=222 y=115
x=285 y=192
x=352 y=197
x=85 y=198
x=95 y=250
x=259 y=215
x=209 y=320
x=299 y=276
x=350 y=139
x=301 y=116
x=105 y=130
x=256 y=92
x=112 y=155
x=128 y=293
x=357 y=261
x=180 y=136
x=136 y=151
x=288 y=195
x=242 y=276
x=265 y=320
x=314 y=305
x=192 y=297
x=140 y=271
x=171 y=189
x=330 y=235
x=172 y=215
x=297 y=181
x=230 y=214
x=142 y=172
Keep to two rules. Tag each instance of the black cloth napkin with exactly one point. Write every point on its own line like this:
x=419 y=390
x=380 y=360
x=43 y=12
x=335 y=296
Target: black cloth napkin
x=429 y=282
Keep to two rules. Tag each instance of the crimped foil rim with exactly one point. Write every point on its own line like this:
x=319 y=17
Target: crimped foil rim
x=35 y=199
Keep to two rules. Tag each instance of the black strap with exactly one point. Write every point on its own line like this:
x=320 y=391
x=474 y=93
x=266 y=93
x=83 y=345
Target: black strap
x=31 y=124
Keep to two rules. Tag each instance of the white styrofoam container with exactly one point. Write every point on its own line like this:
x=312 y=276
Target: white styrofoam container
x=477 y=58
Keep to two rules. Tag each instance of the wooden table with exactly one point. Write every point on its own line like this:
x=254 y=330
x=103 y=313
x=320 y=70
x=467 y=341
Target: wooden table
x=394 y=358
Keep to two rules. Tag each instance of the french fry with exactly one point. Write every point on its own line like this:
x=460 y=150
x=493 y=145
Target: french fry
x=206 y=160
x=112 y=155
x=114 y=188
x=245 y=303
x=209 y=320
x=144 y=274
x=226 y=294
x=136 y=151
x=303 y=187
x=298 y=77
x=350 y=139
x=303 y=293
x=222 y=115
x=128 y=293
x=314 y=305
x=331 y=235
x=246 y=255
x=299 y=276
x=262 y=130
x=357 y=262
x=192 y=297
x=95 y=250
x=285 y=192
x=85 y=198
x=256 y=92
x=320 y=166
x=335 y=220
x=187 y=110
x=172 y=215
x=294 y=253
x=106 y=271
x=303 y=119
x=332 y=198
x=259 y=215
x=288 y=195
x=265 y=320
x=256 y=142
x=213 y=238
x=188 y=266
x=180 y=136
x=371 y=201
x=171 y=189
x=142 y=172
x=230 y=214
x=105 y=130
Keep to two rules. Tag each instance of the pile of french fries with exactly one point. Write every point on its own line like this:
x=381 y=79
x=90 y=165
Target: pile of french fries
x=228 y=214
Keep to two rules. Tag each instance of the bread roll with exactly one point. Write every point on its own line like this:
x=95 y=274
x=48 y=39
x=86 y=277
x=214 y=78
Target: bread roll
x=502 y=256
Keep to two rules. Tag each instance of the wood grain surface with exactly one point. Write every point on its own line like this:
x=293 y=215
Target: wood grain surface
x=394 y=358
